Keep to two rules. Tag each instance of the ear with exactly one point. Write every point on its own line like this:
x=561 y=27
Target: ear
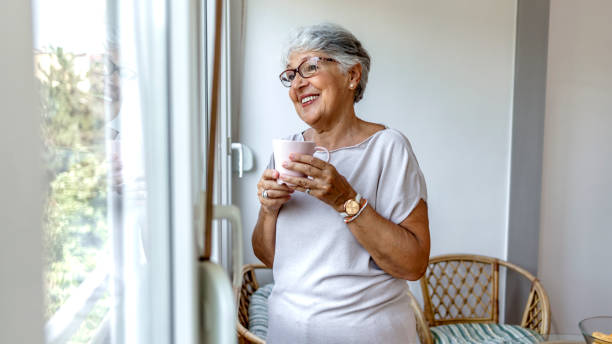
x=354 y=74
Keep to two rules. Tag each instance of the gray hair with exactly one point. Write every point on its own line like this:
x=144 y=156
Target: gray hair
x=335 y=41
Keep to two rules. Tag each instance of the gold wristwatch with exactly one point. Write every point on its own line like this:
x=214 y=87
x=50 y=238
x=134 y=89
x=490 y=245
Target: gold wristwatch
x=352 y=206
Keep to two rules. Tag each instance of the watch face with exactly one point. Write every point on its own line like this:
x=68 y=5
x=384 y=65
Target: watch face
x=352 y=207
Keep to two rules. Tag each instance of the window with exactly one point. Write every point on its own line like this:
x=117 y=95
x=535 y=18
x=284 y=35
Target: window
x=118 y=98
x=105 y=253
x=71 y=73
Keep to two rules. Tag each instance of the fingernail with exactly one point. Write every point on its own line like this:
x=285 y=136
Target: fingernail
x=291 y=156
x=285 y=164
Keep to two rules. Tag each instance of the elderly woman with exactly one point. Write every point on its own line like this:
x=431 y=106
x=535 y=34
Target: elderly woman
x=343 y=240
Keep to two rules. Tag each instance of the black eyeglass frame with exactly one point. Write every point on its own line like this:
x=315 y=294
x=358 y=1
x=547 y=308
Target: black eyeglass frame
x=297 y=70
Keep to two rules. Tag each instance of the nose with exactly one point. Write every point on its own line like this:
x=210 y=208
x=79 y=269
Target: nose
x=298 y=81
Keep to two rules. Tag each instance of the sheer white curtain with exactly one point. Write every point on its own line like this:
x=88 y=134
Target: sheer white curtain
x=139 y=70
x=141 y=224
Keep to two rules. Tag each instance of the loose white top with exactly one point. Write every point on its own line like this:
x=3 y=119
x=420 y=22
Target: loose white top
x=328 y=289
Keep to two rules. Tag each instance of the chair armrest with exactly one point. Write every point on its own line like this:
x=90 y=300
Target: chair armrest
x=421 y=324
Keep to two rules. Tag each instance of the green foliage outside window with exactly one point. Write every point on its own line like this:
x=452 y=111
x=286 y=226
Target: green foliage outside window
x=75 y=219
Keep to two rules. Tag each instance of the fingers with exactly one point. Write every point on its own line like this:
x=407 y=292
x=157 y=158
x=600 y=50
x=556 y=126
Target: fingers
x=311 y=192
x=308 y=160
x=300 y=183
x=304 y=168
x=273 y=194
x=271 y=184
x=270 y=174
x=306 y=185
x=274 y=198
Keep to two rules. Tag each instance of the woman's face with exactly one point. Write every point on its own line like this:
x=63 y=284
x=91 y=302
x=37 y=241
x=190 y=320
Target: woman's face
x=322 y=98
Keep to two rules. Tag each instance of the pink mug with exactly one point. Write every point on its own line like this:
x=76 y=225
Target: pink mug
x=282 y=149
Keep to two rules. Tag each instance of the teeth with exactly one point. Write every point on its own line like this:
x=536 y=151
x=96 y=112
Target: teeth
x=309 y=98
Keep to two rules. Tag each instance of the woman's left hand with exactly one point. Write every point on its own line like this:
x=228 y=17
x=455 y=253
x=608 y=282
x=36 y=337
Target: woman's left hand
x=325 y=183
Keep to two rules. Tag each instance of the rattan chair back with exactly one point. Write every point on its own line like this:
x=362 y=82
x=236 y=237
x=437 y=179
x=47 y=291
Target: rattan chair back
x=465 y=288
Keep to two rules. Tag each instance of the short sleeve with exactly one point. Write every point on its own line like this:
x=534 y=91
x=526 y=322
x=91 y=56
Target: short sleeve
x=401 y=184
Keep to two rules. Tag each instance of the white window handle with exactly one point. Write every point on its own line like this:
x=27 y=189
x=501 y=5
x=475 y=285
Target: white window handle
x=245 y=158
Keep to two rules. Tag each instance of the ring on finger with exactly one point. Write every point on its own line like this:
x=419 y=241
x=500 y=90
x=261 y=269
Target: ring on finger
x=264 y=194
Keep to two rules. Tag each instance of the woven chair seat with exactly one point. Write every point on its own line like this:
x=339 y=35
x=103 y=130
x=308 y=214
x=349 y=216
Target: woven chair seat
x=258 y=311
x=477 y=333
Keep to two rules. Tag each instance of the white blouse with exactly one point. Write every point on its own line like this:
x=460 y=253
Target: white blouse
x=327 y=287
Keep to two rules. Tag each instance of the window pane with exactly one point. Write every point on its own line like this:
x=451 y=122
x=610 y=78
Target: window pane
x=70 y=68
x=95 y=223
x=102 y=70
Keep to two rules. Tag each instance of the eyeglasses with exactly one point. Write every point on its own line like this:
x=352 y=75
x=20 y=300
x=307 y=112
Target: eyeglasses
x=306 y=69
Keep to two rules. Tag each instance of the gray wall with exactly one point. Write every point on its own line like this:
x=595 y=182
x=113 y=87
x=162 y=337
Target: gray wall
x=576 y=217
x=21 y=182
x=526 y=156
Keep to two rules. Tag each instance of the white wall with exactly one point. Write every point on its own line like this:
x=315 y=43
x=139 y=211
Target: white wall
x=20 y=181
x=576 y=218
x=442 y=73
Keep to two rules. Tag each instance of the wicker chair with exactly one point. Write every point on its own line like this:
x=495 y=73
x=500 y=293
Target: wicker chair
x=249 y=286
x=464 y=288
x=444 y=304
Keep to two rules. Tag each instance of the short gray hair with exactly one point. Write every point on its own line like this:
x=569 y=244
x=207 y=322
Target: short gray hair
x=335 y=41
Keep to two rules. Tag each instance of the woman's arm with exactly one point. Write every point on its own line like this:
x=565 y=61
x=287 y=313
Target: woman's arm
x=264 y=233
x=264 y=237
x=401 y=250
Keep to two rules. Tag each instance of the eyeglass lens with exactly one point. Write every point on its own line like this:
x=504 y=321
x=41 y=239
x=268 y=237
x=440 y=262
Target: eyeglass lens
x=306 y=69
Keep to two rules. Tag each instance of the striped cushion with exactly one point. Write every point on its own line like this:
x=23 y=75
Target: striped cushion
x=258 y=311
x=470 y=333
x=467 y=333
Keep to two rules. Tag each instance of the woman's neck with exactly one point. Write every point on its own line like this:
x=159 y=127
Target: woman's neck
x=347 y=131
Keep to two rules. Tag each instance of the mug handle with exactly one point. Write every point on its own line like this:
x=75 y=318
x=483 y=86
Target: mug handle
x=323 y=149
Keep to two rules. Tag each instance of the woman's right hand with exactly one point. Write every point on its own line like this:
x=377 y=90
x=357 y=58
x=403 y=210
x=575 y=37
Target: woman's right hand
x=278 y=194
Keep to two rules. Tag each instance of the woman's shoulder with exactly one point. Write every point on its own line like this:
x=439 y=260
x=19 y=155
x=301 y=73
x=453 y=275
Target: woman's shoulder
x=391 y=138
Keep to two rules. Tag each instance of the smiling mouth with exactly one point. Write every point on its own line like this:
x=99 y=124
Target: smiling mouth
x=309 y=100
